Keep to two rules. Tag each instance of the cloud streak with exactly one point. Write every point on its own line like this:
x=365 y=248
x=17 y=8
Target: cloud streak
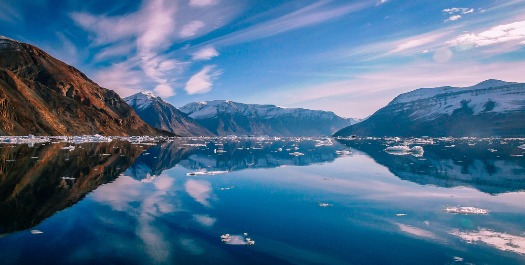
x=512 y=32
x=362 y=94
x=205 y=53
x=202 y=82
x=310 y=15
x=151 y=38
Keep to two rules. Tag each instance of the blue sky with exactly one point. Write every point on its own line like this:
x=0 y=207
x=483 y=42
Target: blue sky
x=350 y=57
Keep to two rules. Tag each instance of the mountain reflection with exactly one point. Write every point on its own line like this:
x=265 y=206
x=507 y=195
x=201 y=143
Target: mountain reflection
x=489 y=165
x=233 y=154
x=36 y=182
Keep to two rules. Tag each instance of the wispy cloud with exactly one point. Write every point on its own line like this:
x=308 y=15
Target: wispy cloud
x=202 y=81
x=310 y=15
x=419 y=42
x=512 y=32
x=112 y=51
x=191 y=28
x=9 y=13
x=380 y=2
x=205 y=53
x=203 y=3
x=456 y=12
x=123 y=77
x=152 y=36
x=362 y=94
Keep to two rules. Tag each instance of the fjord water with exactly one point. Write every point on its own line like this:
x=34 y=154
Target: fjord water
x=303 y=201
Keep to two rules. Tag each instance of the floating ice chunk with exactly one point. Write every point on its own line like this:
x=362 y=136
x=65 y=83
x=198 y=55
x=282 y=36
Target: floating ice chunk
x=228 y=188
x=36 y=232
x=401 y=214
x=197 y=173
x=397 y=149
x=417 y=150
x=405 y=150
x=522 y=146
x=343 y=152
x=493 y=150
x=458 y=259
x=237 y=239
x=322 y=204
x=465 y=210
x=297 y=154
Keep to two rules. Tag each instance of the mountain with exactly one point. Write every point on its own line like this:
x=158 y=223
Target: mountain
x=490 y=108
x=162 y=115
x=44 y=96
x=225 y=117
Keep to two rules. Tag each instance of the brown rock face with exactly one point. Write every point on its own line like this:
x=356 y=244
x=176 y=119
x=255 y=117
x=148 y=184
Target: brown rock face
x=41 y=95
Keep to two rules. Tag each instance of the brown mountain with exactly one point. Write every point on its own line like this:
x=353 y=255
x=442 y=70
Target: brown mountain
x=42 y=95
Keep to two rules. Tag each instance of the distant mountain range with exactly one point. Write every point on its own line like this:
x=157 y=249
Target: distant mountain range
x=44 y=96
x=225 y=117
x=162 y=115
x=490 y=108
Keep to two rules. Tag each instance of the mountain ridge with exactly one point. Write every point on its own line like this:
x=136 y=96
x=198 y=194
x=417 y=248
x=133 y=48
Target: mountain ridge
x=225 y=117
x=162 y=115
x=489 y=108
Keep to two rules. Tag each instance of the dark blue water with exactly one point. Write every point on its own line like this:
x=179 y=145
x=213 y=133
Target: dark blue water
x=117 y=203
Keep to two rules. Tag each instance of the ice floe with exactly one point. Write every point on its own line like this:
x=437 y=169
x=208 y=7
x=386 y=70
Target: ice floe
x=405 y=150
x=237 y=239
x=465 y=210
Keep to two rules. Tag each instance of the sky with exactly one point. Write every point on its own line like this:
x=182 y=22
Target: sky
x=349 y=57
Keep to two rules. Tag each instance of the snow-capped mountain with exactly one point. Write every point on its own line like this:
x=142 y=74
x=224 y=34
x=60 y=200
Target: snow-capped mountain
x=225 y=117
x=490 y=108
x=162 y=115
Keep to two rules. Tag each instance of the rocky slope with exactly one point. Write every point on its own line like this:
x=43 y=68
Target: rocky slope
x=44 y=96
x=490 y=108
x=224 y=117
x=162 y=115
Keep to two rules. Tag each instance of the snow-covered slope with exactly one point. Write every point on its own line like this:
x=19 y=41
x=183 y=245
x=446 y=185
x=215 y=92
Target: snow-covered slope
x=162 y=115
x=490 y=108
x=141 y=100
x=226 y=117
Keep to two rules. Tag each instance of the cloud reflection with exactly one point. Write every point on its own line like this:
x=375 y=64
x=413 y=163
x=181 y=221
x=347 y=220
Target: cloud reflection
x=200 y=190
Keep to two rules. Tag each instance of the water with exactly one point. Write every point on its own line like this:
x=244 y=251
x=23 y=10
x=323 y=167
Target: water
x=122 y=203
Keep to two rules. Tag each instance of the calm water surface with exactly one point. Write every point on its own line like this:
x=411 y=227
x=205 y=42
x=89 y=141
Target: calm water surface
x=118 y=203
